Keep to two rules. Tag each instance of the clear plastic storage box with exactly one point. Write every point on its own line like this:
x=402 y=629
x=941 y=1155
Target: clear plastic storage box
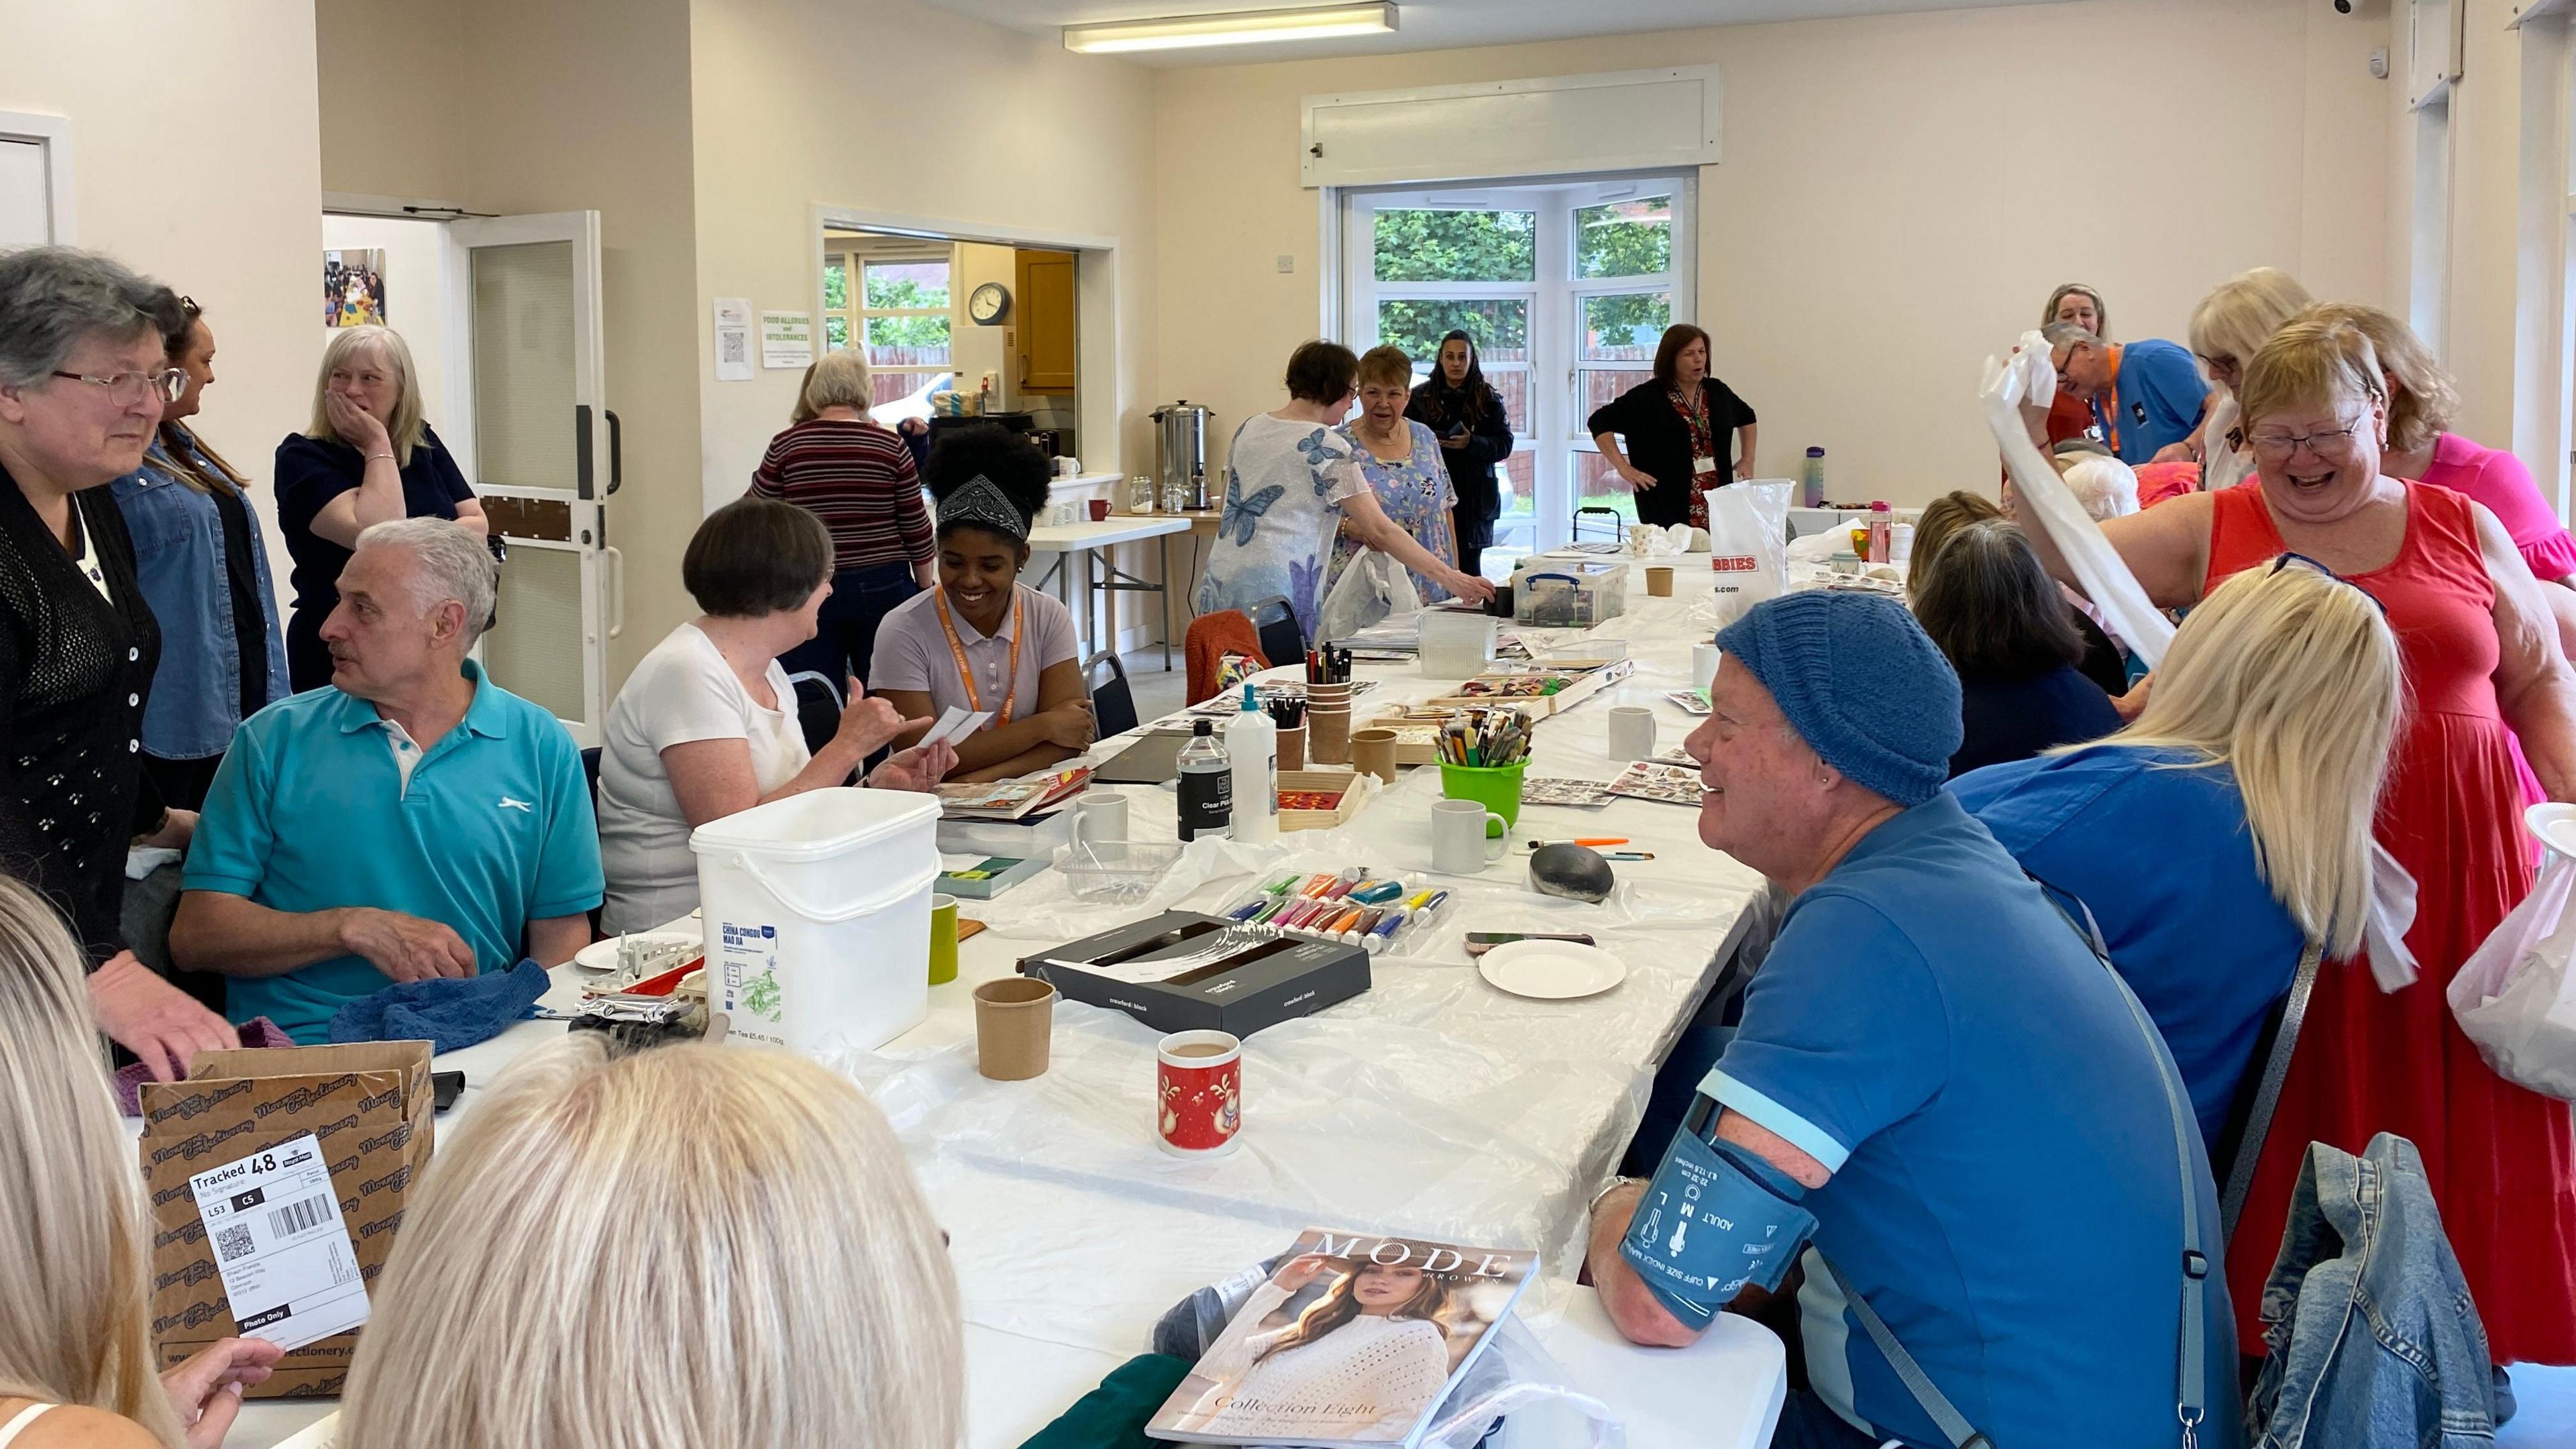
x=1561 y=594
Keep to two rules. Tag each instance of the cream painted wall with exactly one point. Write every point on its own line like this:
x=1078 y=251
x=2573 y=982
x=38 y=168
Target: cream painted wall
x=227 y=208
x=1896 y=198
x=397 y=84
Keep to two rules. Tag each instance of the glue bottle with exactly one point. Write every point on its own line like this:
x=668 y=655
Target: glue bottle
x=1252 y=747
x=1207 y=784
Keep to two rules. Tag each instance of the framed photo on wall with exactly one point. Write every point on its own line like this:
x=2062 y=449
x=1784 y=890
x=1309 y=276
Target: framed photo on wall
x=353 y=287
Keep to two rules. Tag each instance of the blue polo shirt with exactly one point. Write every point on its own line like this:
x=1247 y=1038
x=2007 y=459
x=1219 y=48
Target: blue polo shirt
x=309 y=812
x=2157 y=400
x=2004 y=1188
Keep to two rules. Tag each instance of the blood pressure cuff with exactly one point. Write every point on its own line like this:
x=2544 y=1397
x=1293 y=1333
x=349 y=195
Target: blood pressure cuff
x=1715 y=1218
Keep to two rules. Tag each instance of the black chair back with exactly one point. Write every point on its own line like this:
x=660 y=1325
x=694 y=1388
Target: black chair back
x=1283 y=639
x=818 y=707
x=1609 y=517
x=1113 y=705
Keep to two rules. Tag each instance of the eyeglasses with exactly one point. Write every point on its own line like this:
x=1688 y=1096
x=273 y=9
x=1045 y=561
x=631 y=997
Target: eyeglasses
x=124 y=388
x=2281 y=447
x=2287 y=559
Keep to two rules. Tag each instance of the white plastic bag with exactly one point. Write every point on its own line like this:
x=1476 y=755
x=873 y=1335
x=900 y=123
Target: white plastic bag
x=2516 y=997
x=1748 y=540
x=2225 y=466
x=1369 y=588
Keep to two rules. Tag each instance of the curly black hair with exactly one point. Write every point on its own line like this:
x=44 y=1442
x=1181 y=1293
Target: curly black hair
x=989 y=450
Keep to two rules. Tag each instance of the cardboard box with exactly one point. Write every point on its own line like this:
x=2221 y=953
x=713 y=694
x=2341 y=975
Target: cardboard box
x=369 y=1105
x=1265 y=980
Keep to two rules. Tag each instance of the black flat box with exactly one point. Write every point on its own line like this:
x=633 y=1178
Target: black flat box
x=1247 y=979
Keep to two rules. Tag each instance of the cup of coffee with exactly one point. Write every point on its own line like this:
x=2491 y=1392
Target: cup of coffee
x=1198 y=1093
x=1100 y=815
x=1459 y=843
x=943 y=940
x=1659 y=581
x=1014 y=1022
x=1099 y=508
x=1373 y=753
x=1632 y=733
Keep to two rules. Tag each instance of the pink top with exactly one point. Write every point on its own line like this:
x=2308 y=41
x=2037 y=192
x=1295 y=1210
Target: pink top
x=2497 y=479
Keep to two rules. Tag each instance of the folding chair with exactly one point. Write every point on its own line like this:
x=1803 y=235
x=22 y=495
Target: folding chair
x=1113 y=706
x=1283 y=639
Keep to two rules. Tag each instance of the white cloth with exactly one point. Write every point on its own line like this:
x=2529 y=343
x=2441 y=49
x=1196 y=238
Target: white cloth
x=1387 y=1370
x=681 y=692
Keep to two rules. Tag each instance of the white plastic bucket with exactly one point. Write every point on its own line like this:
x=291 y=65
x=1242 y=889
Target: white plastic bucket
x=817 y=913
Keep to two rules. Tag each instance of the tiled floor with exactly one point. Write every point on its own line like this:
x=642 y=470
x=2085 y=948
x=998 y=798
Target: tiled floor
x=1156 y=693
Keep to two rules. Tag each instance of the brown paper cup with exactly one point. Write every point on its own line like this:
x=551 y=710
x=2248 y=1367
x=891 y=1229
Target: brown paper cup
x=1014 y=1021
x=1659 y=581
x=1373 y=752
x=1328 y=735
x=1292 y=748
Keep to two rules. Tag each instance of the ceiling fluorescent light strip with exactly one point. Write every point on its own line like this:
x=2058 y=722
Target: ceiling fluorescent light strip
x=1249 y=27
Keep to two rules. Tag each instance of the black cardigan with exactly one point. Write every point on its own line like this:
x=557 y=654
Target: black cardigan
x=74 y=675
x=1659 y=442
x=1442 y=408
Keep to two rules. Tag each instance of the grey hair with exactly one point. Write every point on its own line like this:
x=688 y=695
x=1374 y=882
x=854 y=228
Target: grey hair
x=51 y=298
x=454 y=564
x=2060 y=334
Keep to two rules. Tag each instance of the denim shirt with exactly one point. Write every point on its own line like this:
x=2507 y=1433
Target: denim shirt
x=179 y=557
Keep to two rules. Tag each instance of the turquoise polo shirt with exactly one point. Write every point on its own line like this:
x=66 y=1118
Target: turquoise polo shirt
x=310 y=812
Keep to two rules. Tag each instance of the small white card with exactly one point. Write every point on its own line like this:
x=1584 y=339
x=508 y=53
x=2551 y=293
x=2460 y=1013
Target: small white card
x=956 y=725
x=289 y=1269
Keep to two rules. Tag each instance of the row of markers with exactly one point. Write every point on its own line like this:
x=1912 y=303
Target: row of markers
x=1375 y=913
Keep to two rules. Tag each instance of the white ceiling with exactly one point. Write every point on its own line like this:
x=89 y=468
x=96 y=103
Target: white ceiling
x=1437 y=24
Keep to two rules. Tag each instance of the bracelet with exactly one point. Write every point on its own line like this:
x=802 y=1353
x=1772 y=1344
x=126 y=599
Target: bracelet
x=1615 y=1184
x=371 y=457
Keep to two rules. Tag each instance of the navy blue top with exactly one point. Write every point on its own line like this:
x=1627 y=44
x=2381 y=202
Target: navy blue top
x=2165 y=859
x=313 y=471
x=2014 y=719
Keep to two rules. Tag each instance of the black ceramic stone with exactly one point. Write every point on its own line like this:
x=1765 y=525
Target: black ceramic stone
x=1576 y=872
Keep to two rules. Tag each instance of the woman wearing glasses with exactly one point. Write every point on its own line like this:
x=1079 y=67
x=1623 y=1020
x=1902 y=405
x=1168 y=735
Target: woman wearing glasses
x=204 y=571
x=368 y=457
x=2481 y=657
x=83 y=379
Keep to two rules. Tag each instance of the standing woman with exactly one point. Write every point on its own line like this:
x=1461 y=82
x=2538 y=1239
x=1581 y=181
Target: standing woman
x=983 y=641
x=367 y=457
x=204 y=570
x=2229 y=326
x=2080 y=305
x=1466 y=414
x=859 y=479
x=1676 y=426
x=1291 y=486
x=83 y=379
x=1401 y=460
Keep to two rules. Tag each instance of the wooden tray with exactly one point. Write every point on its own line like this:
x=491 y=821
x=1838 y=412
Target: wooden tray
x=1346 y=782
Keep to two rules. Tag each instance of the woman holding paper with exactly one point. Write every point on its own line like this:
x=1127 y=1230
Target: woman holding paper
x=707 y=724
x=2481 y=657
x=983 y=642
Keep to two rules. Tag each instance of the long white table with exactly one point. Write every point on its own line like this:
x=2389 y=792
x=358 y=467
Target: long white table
x=1432 y=1105
x=1084 y=541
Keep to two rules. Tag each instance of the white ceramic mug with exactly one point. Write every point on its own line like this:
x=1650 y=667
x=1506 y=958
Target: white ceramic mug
x=1632 y=733
x=1100 y=815
x=1704 y=659
x=1458 y=842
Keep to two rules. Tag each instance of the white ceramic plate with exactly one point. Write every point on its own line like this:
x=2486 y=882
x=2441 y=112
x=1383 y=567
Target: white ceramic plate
x=2554 y=824
x=602 y=955
x=1551 y=970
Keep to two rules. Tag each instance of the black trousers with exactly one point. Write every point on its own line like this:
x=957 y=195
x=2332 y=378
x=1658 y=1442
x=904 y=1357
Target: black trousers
x=846 y=641
x=1475 y=535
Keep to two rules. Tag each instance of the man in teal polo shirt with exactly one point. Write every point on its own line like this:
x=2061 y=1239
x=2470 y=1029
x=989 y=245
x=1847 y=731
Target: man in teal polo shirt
x=414 y=820
x=2145 y=396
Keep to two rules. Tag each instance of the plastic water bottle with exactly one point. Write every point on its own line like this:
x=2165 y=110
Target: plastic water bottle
x=1882 y=520
x=1207 y=784
x=1812 y=485
x=1252 y=746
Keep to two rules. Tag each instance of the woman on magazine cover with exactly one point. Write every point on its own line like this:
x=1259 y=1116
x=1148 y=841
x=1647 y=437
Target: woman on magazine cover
x=1367 y=1361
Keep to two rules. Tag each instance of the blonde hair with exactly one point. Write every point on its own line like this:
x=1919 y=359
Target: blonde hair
x=1386 y=366
x=836 y=380
x=2308 y=363
x=75 y=1324
x=2101 y=314
x=2424 y=402
x=386 y=345
x=2240 y=314
x=694 y=1245
x=2289 y=677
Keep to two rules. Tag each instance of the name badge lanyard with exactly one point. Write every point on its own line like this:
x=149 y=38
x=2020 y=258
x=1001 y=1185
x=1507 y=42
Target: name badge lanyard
x=965 y=675
x=1703 y=439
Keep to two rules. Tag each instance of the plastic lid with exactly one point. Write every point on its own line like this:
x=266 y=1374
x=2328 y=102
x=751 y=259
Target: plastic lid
x=1250 y=704
x=1203 y=727
x=1815 y=452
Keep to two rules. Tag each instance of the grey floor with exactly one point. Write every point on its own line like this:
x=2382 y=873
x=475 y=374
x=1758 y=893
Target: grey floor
x=1156 y=693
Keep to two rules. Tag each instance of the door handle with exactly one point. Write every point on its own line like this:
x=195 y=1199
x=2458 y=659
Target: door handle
x=581 y=450
x=616 y=561
x=616 y=449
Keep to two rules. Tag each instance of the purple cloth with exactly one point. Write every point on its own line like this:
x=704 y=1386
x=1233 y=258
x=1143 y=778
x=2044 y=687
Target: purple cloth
x=259 y=1031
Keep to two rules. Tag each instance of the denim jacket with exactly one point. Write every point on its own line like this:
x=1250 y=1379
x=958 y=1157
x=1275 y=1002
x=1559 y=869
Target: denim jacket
x=2372 y=1337
x=179 y=556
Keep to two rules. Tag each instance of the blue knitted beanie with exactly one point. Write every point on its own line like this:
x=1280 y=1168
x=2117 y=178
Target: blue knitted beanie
x=1860 y=681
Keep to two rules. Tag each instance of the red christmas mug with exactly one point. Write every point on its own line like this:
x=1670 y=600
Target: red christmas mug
x=1198 y=1093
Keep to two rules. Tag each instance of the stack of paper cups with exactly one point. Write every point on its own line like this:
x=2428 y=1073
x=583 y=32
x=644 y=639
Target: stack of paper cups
x=1328 y=724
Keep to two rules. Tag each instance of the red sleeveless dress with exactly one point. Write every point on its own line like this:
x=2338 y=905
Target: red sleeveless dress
x=2501 y=1159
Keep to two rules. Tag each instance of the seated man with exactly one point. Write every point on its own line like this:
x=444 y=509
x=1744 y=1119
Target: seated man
x=1935 y=1080
x=2144 y=395
x=413 y=820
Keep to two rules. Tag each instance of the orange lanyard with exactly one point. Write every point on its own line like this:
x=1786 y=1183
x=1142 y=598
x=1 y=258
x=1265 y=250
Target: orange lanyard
x=966 y=675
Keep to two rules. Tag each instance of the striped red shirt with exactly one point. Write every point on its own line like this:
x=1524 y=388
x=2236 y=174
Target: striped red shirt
x=858 y=478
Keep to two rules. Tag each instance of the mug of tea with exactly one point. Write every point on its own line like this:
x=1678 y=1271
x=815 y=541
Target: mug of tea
x=1198 y=1093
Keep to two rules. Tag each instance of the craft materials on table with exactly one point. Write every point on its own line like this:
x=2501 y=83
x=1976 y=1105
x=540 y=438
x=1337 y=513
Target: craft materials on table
x=1579 y=794
x=1376 y=912
x=1330 y=664
x=1652 y=780
x=1184 y=971
x=1692 y=701
x=1486 y=739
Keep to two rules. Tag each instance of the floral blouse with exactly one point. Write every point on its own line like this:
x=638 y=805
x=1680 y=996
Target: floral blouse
x=1284 y=486
x=1416 y=493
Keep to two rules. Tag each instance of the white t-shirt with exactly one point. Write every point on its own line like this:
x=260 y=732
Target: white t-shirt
x=681 y=692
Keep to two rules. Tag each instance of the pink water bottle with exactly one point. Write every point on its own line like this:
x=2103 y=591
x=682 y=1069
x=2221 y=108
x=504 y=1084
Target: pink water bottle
x=1882 y=521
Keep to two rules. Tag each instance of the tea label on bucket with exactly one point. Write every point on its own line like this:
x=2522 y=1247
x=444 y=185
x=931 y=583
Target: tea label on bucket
x=747 y=986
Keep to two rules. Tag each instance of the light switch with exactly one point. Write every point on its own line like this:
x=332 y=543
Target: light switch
x=1287 y=263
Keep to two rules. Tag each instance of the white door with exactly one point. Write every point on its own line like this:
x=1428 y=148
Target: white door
x=545 y=451
x=26 y=207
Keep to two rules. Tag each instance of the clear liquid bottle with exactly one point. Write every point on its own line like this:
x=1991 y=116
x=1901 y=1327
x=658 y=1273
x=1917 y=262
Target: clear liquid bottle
x=1206 y=783
x=1881 y=534
x=1812 y=483
x=1252 y=745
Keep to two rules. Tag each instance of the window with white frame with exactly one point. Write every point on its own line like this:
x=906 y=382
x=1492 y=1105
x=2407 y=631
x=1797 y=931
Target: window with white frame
x=1565 y=285
x=894 y=299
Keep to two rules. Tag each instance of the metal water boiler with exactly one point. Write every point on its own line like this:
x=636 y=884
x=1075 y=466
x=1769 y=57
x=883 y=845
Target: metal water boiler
x=1182 y=430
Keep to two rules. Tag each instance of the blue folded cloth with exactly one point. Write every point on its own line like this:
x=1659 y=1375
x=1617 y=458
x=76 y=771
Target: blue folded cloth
x=451 y=1012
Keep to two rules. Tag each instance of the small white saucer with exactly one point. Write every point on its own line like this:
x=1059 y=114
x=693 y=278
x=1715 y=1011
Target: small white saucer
x=602 y=955
x=1551 y=970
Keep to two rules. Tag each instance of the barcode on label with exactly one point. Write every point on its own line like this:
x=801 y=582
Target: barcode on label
x=295 y=1217
x=234 y=1242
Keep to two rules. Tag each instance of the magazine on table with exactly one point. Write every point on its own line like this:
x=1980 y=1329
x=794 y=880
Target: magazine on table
x=1653 y=780
x=1011 y=799
x=1356 y=1338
